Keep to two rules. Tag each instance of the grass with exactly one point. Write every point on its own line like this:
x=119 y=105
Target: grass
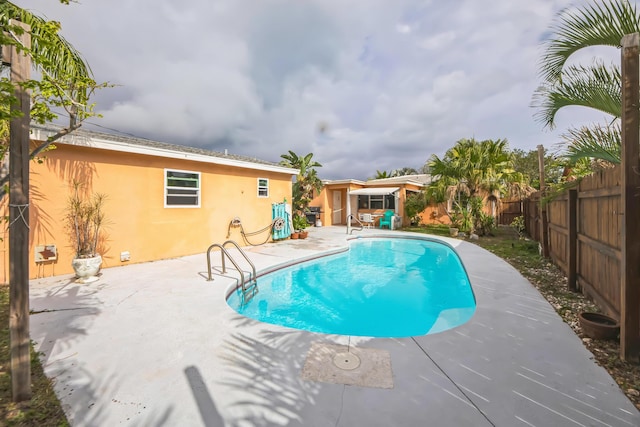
x=43 y=410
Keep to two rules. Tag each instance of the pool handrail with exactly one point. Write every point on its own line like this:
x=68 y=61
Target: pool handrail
x=349 y=228
x=252 y=278
x=247 y=292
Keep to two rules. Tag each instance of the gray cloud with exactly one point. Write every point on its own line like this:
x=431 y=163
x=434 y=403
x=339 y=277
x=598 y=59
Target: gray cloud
x=390 y=83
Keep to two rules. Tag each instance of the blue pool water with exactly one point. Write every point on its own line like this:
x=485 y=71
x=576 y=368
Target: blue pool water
x=379 y=288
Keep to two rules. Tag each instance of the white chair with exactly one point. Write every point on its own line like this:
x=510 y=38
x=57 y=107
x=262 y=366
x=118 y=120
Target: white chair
x=367 y=220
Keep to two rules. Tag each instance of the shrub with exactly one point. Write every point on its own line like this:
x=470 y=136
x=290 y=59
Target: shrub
x=413 y=206
x=518 y=225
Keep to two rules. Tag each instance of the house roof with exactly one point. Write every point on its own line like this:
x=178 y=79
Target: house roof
x=126 y=144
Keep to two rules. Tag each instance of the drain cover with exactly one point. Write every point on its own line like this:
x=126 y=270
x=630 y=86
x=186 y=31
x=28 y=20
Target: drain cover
x=347 y=361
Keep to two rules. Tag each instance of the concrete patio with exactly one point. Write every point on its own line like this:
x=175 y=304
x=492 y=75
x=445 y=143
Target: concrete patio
x=155 y=344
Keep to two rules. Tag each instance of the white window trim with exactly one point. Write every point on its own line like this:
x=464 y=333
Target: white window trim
x=267 y=187
x=198 y=189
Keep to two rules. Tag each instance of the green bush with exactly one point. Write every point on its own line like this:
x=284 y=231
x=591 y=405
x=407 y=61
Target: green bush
x=413 y=206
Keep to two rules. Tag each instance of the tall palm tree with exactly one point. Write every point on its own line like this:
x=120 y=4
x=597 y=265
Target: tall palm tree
x=595 y=86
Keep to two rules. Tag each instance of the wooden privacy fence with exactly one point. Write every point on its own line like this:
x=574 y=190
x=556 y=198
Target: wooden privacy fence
x=509 y=210
x=531 y=214
x=584 y=236
x=593 y=232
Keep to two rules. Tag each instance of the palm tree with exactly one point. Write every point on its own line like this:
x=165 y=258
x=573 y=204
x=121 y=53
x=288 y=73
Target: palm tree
x=470 y=170
x=595 y=86
x=307 y=180
x=382 y=175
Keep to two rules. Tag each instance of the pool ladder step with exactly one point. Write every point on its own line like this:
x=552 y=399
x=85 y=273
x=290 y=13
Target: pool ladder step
x=249 y=291
x=249 y=287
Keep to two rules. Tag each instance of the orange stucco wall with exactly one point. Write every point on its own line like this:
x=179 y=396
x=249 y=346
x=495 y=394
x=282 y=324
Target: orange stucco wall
x=137 y=220
x=324 y=200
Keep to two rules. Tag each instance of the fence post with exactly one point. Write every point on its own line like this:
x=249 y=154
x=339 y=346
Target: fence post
x=630 y=203
x=544 y=226
x=572 y=224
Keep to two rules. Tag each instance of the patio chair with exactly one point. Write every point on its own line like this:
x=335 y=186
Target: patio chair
x=386 y=219
x=367 y=220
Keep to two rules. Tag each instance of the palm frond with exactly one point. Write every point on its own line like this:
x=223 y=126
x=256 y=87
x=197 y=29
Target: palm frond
x=52 y=53
x=596 y=86
x=596 y=143
x=596 y=24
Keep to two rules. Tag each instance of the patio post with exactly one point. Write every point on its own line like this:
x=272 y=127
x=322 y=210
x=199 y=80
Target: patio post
x=348 y=210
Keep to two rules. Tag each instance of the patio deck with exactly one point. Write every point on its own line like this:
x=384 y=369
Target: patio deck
x=155 y=344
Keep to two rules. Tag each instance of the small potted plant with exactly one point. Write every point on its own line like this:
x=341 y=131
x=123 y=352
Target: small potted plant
x=299 y=225
x=85 y=218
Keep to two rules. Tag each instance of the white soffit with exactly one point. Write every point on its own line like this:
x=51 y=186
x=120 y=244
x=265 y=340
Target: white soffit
x=374 y=191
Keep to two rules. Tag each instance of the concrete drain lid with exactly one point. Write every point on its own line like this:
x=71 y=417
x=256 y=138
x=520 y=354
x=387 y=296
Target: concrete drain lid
x=347 y=361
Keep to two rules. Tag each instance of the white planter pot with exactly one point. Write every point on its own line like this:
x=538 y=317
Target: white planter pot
x=87 y=268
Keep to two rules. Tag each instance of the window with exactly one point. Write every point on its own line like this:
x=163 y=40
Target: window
x=377 y=202
x=263 y=187
x=182 y=189
x=363 y=202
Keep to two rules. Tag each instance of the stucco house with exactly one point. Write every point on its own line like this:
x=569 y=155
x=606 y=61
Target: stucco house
x=341 y=198
x=149 y=216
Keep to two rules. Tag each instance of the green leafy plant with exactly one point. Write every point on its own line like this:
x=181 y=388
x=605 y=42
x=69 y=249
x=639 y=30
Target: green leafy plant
x=415 y=203
x=486 y=224
x=299 y=222
x=463 y=218
x=85 y=219
x=518 y=225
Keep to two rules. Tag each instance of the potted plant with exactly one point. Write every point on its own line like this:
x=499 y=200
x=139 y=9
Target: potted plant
x=299 y=225
x=85 y=218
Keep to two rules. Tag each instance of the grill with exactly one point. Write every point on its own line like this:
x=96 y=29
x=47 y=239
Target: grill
x=313 y=215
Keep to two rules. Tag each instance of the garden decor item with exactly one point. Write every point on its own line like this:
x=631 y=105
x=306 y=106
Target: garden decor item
x=85 y=218
x=598 y=326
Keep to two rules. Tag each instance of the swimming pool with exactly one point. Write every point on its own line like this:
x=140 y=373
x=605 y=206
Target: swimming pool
x=380 y=287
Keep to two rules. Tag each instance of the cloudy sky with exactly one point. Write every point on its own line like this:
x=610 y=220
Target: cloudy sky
x=365 y=85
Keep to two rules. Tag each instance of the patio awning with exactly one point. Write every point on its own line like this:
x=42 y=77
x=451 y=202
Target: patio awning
x=374 y=191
